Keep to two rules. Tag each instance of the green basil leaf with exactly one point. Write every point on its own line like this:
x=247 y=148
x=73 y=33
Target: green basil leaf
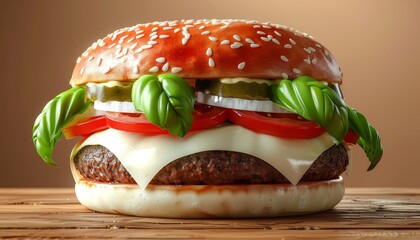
x=56 y=114
x=166 y=100
x=314 y=101
x=369 y=139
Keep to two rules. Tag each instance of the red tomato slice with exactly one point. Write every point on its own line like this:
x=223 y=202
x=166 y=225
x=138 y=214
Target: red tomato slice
x=281 y=125
x=203 y=117
x=351 y=138
x=85 y=127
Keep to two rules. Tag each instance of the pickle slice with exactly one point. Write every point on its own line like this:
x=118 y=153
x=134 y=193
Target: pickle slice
x=240 y=89
x=104 y=92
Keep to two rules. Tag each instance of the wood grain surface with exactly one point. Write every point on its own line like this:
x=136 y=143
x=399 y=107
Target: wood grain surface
x=369 y=213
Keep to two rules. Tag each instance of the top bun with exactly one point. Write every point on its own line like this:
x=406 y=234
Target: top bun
x=206 y=49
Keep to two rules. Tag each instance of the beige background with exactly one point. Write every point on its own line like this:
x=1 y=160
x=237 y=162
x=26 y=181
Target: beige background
x=376 y=42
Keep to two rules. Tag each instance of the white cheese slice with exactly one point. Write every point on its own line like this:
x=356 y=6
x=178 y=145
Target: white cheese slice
x=144 y=155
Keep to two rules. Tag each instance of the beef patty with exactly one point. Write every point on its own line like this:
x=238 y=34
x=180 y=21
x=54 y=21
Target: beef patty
x=97 y=163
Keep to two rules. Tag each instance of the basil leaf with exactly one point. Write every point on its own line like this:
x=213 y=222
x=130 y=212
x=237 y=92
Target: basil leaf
x=314 y=101
x=56 y=114
x=369 y=139
x=166 y=100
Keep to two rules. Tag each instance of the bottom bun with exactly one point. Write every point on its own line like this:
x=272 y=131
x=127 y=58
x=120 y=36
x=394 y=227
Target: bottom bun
x=210 y=201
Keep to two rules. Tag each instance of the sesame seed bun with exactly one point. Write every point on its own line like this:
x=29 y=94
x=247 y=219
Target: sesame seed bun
x=206 y=49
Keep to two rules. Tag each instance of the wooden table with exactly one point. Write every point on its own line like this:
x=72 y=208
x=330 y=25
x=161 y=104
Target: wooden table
x=362 y=214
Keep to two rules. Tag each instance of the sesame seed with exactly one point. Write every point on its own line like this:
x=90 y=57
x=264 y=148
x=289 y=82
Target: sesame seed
x=201 y=27
x=249 y=40
x=165 y=67
x=224 y=42
x=292 y=41
x=155 y=29
x=154 y=69
x=176 y=69
x=307 y=60
x=118 y=51
x=314 y=61
x=265 y=39
x=236 y=37
x=135 y=70
x=236 y=45
x=307 y=50
x=288 y=46
x=224 y=26
x=78 y=60
x=138 y=50
x=153 y=37
x=275 y=41
x=107 y=70
x=118 y=46
x=124 y=51
x=184 y=41
x=177 y=30
x=318 y=45
x=254 y=45
x=160 y=59
x=122 y=39
x=295 y=70
x=163 y=36
x=151 y=42
x=82 y=70
x=241 y=65
x=312 y=49
x=133 y=46
x=130 y=40
x=211 y=62
x=326 y=52
x=139 y=36
x=284 y=58
x=205 y=33
x=214 y=39
x=277 y=33
x=112 y=45
x=119 y=55
x=209 y=52
x=261 y=32
x=284 y=76
x=166 y=28
x=147 y=46
x=266 y=26
x=256 y=26
x=99 y=62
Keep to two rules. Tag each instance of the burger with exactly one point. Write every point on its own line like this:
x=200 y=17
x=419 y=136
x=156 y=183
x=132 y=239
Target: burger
x=206 y=118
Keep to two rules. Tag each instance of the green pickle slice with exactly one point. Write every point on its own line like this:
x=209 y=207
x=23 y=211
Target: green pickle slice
x=240 y=89
x=103 y=93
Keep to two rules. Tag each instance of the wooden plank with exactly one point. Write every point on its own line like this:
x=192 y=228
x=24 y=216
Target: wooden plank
x=363 y=213
x=120 y=233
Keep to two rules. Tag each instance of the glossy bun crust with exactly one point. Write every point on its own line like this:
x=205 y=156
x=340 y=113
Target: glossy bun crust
x=206 y=49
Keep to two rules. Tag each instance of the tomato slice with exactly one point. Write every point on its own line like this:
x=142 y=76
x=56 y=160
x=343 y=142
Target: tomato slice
x=203 y=117
x=283 y=125
x=351 y=138
x=206 y=116
x=85 y=127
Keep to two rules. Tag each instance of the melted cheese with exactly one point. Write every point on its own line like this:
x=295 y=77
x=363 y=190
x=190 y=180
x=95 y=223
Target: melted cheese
x=144 y=155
